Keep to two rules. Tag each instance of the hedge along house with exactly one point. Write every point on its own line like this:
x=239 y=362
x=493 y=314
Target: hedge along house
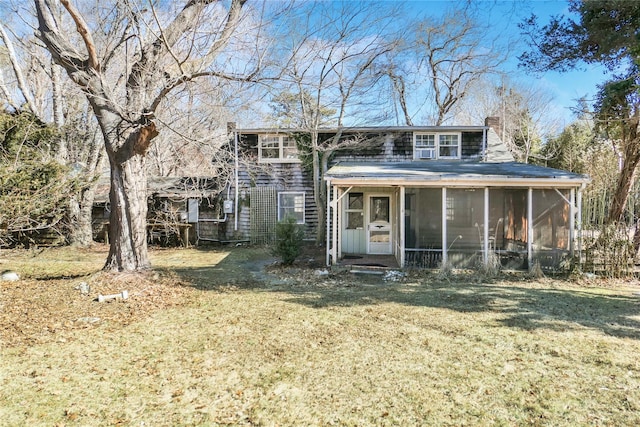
x=450 y=196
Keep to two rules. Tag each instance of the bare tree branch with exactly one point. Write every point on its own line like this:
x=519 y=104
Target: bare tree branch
x=22 y=83
x=83 y=30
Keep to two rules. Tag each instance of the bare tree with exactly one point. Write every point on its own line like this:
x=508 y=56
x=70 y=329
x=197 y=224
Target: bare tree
x=441 y=60
x=22 y=86
x=148 y=52
x=528 y=117
x=35 y=83
x=332 y=76
x=195 y=136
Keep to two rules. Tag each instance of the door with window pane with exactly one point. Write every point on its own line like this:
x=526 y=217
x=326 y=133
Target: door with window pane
x=353 y=233
x=379 y=224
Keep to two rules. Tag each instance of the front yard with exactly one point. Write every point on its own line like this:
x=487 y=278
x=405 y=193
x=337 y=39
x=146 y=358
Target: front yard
x=218 y=337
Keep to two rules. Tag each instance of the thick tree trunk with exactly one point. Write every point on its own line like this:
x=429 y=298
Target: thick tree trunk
x=324 y=198
x=623 y=186
x=319 y=195
x=128 y=220
x=636 y=242
x=126 y=118
x=81 y=215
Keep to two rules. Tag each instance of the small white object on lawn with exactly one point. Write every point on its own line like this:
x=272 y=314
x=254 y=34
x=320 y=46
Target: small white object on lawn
x=10 y=276
x=121 y=295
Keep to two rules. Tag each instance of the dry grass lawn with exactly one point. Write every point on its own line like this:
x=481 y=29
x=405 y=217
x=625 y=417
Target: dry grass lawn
x=212 y=337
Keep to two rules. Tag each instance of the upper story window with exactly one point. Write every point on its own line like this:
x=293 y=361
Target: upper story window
x=277 y=148
x=436 y=145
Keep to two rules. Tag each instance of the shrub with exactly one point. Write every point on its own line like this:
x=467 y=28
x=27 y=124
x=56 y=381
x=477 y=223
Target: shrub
x=289 y=237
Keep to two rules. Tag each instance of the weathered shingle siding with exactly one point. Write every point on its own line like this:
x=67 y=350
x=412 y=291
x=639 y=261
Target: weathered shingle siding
x=385 y=147
x=281 y=176
x=398 y=147
x=403 y=145
x=472 y=144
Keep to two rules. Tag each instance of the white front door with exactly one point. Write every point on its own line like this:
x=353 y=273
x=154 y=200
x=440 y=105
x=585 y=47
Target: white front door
x=379 y=225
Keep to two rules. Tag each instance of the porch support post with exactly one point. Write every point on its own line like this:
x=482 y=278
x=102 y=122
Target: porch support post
x=572 y=222
x=339 y=219
x=485 y=244
x=579 y=225
x=334 y=237
x=402 y=225
x=444 y=226
x=328 y=221
x=530 y=228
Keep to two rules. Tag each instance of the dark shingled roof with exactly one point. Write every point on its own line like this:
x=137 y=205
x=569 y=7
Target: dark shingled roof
x=423 y=171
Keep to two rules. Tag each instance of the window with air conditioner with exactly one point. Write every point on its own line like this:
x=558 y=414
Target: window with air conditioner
x=428 y=146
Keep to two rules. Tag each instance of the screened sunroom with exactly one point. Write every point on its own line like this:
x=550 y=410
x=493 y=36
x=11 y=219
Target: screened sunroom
x=461 y=214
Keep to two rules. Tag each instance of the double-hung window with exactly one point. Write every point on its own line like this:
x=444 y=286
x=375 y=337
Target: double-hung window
x=277 y=148
x=425 y=146
x=291 y=204
x=436 y=146
x=449 y=146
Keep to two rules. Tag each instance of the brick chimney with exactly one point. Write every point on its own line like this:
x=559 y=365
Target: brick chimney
x=494 y=123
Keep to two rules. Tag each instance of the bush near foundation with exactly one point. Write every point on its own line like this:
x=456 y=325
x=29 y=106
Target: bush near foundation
x=289 y=237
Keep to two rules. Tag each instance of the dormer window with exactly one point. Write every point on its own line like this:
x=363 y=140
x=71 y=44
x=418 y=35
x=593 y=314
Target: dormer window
x=425 y=146
x=436 y=146
x=277 y=149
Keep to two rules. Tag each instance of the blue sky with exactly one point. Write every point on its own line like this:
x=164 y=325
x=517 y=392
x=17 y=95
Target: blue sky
x=569 y=86
x=506 y=14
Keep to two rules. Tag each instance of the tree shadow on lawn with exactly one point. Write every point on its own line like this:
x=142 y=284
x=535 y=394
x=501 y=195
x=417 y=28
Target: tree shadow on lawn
x=523 y=307
x=240 y=268
x=526 y=305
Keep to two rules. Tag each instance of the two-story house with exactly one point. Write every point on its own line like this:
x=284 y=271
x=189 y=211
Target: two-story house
x=424 y=195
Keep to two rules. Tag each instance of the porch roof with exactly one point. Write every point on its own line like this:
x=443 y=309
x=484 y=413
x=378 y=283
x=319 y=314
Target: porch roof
x=452 y=173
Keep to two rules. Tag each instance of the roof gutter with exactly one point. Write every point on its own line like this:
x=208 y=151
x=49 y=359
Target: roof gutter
x=503 y=181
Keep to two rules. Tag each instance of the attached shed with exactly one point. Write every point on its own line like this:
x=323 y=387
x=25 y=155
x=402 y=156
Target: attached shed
x=181 y=210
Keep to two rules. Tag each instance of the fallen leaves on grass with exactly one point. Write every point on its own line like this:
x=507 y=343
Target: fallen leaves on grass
x=37 y=311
